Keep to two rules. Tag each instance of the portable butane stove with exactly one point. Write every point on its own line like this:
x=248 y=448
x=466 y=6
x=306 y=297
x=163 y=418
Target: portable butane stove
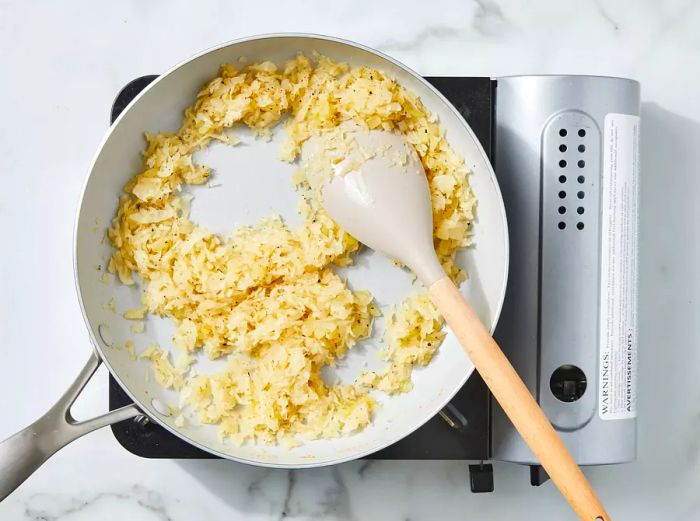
x=565 y=152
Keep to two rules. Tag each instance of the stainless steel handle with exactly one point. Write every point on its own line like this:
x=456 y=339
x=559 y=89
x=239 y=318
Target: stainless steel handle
x=23 y=453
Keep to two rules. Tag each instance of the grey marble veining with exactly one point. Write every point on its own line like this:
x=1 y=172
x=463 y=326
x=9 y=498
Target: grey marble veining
x=64 y=61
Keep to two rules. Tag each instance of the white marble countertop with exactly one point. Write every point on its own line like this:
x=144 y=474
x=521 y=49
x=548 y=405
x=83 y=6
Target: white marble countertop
x=62 y=64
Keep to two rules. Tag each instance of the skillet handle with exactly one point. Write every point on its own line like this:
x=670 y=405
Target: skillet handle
x=23 y=453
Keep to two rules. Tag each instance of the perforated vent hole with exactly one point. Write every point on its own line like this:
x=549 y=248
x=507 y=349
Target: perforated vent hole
x=571 y=153
x=581 y=179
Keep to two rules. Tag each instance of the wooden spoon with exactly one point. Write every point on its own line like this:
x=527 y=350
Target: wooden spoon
x=374 y=186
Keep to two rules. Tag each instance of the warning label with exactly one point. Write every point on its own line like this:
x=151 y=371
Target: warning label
x=617 y=396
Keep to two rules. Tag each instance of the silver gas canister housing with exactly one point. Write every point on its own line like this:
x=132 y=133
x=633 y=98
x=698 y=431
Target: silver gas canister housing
x=566 y=155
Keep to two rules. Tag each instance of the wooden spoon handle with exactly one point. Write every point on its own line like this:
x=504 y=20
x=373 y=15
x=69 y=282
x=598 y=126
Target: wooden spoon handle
x=516 y=401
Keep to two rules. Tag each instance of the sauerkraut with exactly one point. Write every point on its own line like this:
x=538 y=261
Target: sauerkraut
x=267 y=297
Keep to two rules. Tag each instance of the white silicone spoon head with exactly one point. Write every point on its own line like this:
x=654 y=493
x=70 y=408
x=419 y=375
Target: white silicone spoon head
x=373 y=185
